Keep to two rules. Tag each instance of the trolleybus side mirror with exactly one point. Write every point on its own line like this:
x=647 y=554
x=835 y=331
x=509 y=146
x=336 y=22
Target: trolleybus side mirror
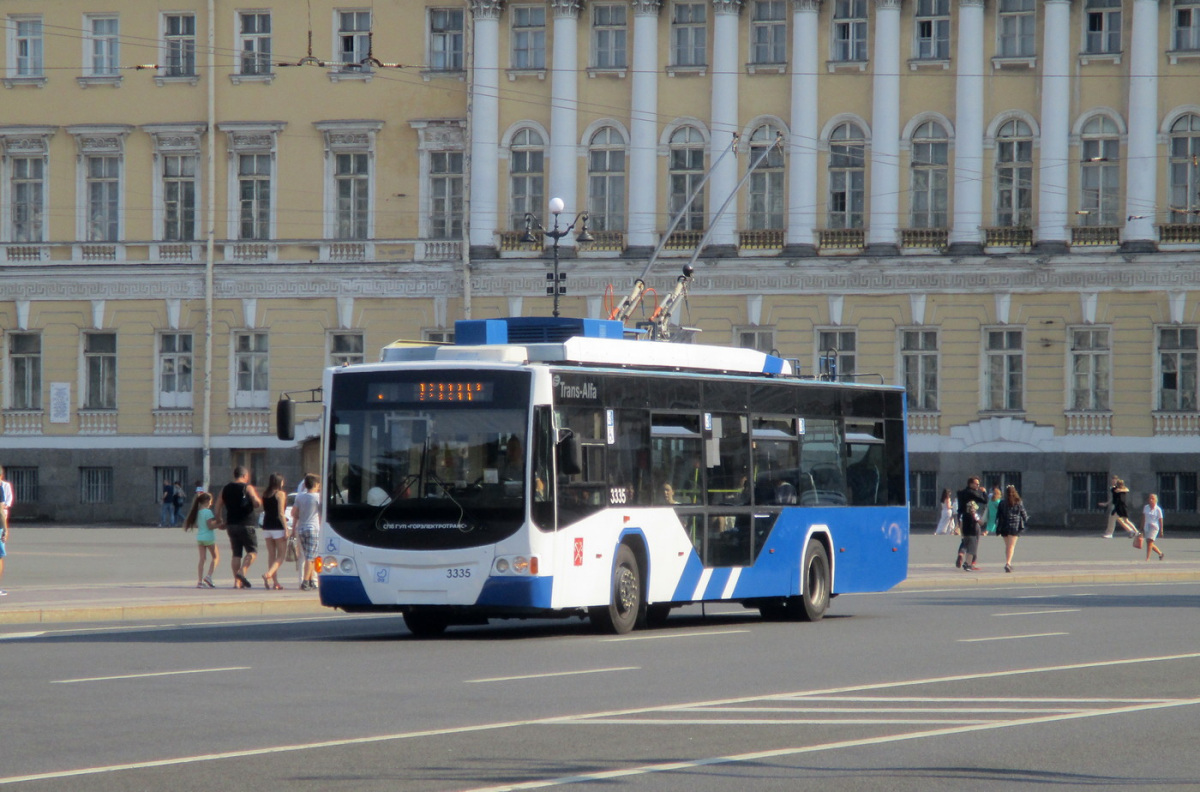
x=570 y=455
x=285 y=419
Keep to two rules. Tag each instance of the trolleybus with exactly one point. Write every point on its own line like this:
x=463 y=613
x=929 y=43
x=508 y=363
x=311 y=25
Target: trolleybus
x=550 y=467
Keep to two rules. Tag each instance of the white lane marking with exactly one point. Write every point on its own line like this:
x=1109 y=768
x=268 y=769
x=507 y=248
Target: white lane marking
x=381 y=738
x=774 y=722
x=949 y=699
x=1040 y=612
x=957 y=710
x=665 y=636
x=556 y=674
x=668 y=767
x=731 y=583
x=18 y=636
x=145 y=676
x=1011 y=637
x=702 y=584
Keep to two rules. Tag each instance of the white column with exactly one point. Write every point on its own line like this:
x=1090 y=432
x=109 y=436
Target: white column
x=1141 y=169
x=564 y=102
x=968 y=127
x=643 y=123
x=805 y=123
x=1053 y=168
x=725 y=73
x=485 y=123
x=885 y=126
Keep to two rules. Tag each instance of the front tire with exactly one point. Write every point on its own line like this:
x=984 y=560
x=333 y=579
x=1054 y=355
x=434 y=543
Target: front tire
x=425 y=623
x=625 y=596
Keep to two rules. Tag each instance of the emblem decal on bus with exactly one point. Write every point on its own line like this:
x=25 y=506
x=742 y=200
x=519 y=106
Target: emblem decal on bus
x=388 y=525
x=578 y=551
x=584 y=390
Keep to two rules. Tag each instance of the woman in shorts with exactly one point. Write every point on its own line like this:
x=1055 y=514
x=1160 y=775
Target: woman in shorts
x=1152 y=525
x=275 y=533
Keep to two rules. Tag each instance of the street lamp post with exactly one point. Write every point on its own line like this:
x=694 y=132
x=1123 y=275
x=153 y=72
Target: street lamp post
x=555 y=282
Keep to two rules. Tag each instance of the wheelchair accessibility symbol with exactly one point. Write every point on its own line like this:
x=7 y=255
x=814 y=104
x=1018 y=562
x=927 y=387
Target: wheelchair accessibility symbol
x=331 y=546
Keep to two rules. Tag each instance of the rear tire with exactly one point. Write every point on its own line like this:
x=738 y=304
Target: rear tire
x=625 y=596
x=426 y=623
x=815 y=584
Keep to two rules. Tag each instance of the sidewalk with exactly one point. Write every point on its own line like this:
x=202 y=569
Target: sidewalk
x=75 y=574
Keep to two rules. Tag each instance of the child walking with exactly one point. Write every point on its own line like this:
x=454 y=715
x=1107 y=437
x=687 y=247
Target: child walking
x=1152 y=525
x=201 y=517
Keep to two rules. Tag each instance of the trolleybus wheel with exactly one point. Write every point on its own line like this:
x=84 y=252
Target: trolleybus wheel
x=625 y=597
x=425 y=623
x=656 y=615
x=814 y=594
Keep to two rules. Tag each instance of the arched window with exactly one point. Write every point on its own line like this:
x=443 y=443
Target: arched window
x=1185 y=173
x=606 y=180
x=526 y=168
x=1014 y=174
x=847 y=176
x=930 y=176
x=1100 y=173
x=686 y=171
x=765 y=209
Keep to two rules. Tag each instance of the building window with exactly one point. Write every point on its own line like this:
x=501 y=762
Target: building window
x=179 y=43
x=1004 y=370
x=446 y=194
x=528 y=37
x=28 y=198
x=932 y=28
x=179 y=197
x=445 y=39
x=1001 y=479
x=175 y=370
x=847 y=176
x=252 y=369
x=102 y=46
x=1185 y=174
x=1015 y=29
x=103 y=185
x=688 y=34
x=1177 y=353
x=1177 y=492
x=25 y=47
x=930 y=176
x=761 y=339
x=254 y=196
x=1103 y=33
x=25 y=371
x=922 y=486
x=350 y=176
x=765 y=207
x=526 y=169
x=1187 y=24
x=849 y=30
x=254 y=34
x=438 y=336
x=685 y=172
x=1088 y=491
x=345 y=349
x=100 y=371
x=24 y=481
x=836 y=354
x=768 y=32
x=919 y=361
x=606 y=180
x=1090 y=363
x=1100 y=173
x=95 y=485
x=353 y=39
x=1014 y=174
x=609 y=35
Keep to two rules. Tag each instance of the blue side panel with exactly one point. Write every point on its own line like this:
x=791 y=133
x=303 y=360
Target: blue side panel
x=772 y=365
x=689 y=579
x=473 y=332
x=516 y=592
x=339 y=590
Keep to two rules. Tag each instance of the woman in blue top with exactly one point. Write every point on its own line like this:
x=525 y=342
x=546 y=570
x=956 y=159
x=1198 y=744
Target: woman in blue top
x=201 y=518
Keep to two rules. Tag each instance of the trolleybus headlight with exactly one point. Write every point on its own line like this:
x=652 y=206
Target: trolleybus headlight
x=521 y=565
x=347 y=566
x=329 y=563
x=502 y=565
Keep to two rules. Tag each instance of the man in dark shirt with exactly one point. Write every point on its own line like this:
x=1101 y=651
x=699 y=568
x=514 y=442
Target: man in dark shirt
x=234 y=510
x=972 y=493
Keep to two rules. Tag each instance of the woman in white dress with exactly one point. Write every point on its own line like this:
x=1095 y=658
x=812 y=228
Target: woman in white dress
x=946 y=519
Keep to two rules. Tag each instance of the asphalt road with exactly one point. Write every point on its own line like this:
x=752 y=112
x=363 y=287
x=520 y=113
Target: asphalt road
x=1014 y=687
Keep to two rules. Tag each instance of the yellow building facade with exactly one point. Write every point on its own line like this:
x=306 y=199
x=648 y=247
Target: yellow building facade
x=994 y=204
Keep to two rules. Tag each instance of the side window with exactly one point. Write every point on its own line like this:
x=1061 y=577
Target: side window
x=776 y=456
x=586 y=492
x=866 y=484
x=822 y=480
x=726 y=460
x=676 y=456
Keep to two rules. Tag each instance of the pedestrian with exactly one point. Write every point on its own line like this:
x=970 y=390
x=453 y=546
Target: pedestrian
x=970 y=538
x=993 y=509
x=1011 y=518
x=306 y=522
x=275 y=531
x=1152 y=526
x=235 y=509
x=945 y=524
x=201 y=517
x=6 y=504
x=166 y=511
x=972 y=493
x=178 y=499
x=1120 y=510
x=1116 y=495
